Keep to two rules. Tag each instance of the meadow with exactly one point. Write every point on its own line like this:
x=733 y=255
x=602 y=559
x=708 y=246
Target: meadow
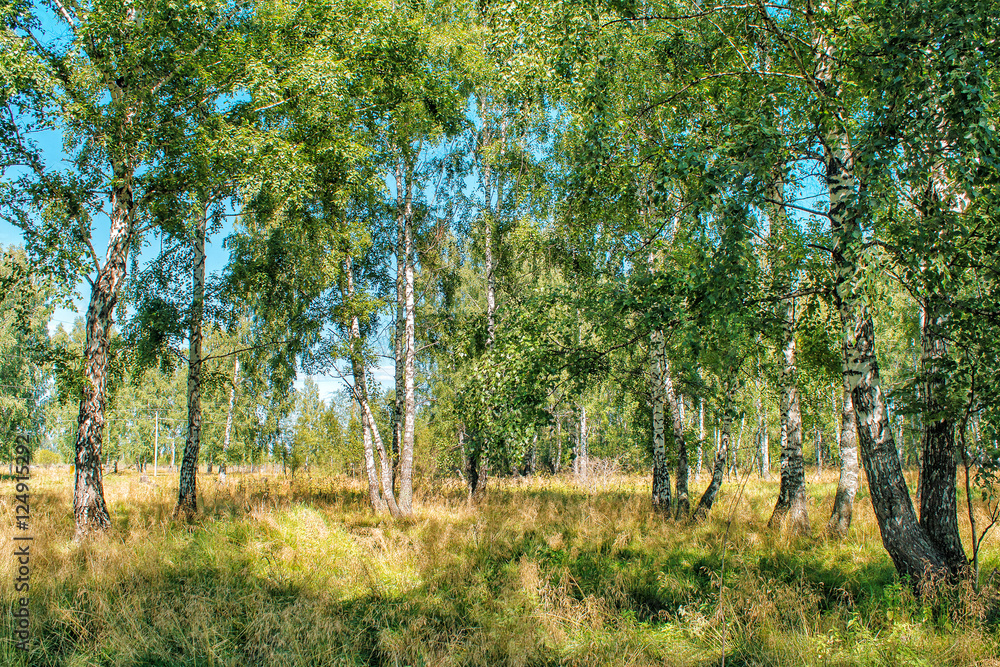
x=542 y=571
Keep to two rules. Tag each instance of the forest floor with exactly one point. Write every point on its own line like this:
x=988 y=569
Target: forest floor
x=537 y=572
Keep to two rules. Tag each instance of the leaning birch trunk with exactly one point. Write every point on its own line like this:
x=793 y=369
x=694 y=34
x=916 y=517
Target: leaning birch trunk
x=847 y=487
x=683 y=503
x=909 y=546
x=378 y=500
x=187 y=495
x=661 y=472
x=89 y=508
x=386 y=462
x=229 y=418
x=721 y=458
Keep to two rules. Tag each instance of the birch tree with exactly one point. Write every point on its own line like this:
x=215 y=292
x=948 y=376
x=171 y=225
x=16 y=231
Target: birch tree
x=113 y=84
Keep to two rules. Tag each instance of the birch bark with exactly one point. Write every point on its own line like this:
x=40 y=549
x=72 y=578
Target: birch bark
x=677 y=422
x=721 y=458
x=661 y=472
x=406 y=404
x=187 y=495
x=847 y=486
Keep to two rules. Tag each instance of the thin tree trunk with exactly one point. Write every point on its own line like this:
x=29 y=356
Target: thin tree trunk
x=187 y=496
x=533 y=455
x=384 y=460
x=735 y=464
x=380 y=500
x=399 y=340
x=406 y=404
x=683 y=503
x=701 y=436
x=229 y=418
x=721 y=459
x=818 y=440
x=661 y=472
x=489 y=221
x=581 y=453
x=763 y=444
x=792 y=504
x=847 y=487
x=156 y=442
x=476 y=464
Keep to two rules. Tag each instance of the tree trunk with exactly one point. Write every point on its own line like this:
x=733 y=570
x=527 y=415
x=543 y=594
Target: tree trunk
x=533 y=456
x=229 y=418
x=382 y=501
x=909 y=546
x=187 y=497
x=818 y=443
x=721 y=459
x=661 y=472
x=89 y=509
x=488 y=252
x=734 y=464
x=847 y=487
x=701 y=437
x=683 y=503
x=763 y=440
x=406 y=404
x=558 y=462
x=476 y=465
x=582 y=455
x=939 y=467
x=792 y=504
x=156 y=443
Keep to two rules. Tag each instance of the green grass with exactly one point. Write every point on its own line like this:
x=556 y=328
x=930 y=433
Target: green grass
x=544 y=572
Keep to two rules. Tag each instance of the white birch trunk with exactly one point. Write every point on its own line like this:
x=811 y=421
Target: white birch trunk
x=677 y=423
x=187 y=496
x=661 y=473
x=406 y=404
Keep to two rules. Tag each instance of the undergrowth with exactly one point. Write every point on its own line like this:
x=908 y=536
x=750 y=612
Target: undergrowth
x=538 y=572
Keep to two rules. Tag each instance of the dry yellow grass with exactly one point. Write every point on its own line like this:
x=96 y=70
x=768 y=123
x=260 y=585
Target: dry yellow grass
x=539 y=572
